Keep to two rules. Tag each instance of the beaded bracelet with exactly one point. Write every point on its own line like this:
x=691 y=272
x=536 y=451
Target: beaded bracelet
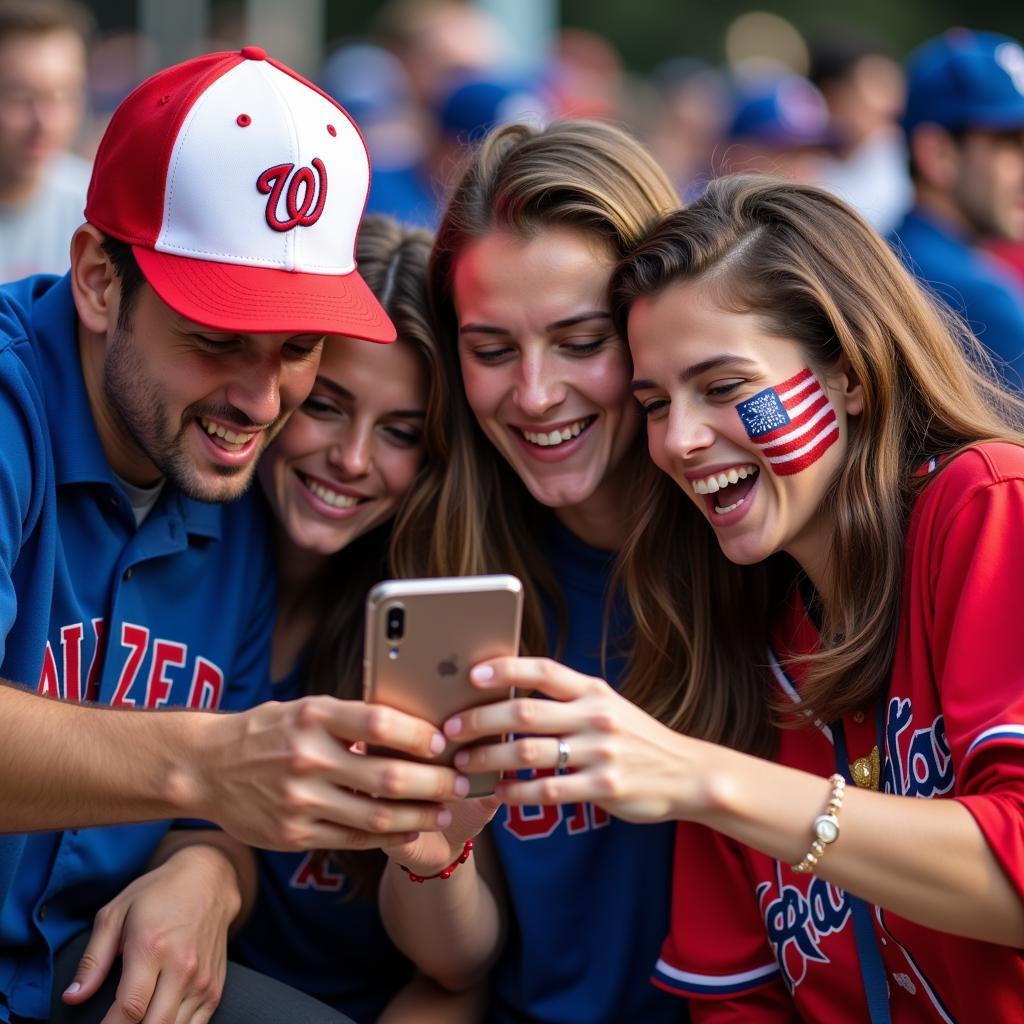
x=825 y=827
x=445 y=873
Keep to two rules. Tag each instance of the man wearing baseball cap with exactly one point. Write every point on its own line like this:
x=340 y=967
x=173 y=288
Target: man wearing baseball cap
x=136 y=394
x=964 y=122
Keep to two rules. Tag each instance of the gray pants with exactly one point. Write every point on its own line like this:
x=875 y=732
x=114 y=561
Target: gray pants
x=249 y=998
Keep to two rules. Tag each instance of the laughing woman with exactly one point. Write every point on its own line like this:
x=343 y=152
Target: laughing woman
x=542 y=451
x=828 y=593
x=340 y=479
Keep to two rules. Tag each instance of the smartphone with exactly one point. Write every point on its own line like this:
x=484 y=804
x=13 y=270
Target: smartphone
x=422 y=638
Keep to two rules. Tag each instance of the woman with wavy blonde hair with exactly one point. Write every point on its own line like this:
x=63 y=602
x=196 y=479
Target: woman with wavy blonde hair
x=543 y=443
x=826 y=589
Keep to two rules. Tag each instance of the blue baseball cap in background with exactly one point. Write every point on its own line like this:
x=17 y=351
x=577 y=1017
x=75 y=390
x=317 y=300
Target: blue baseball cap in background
x=473 y=105
x=785 y=112
x=965 y=79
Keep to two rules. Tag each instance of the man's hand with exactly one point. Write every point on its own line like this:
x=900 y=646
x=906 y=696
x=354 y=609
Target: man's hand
x=170 y=927
x=283 y=776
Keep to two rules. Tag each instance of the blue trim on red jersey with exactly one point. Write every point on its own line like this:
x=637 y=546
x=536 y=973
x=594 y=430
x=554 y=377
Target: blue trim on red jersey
x=716 y=985
x=1009 y=731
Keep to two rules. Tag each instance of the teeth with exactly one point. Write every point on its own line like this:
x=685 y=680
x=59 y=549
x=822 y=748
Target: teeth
x=332 y=498
x=718 y=481
x=555 y=436
x=729 y=508
x=227 y=439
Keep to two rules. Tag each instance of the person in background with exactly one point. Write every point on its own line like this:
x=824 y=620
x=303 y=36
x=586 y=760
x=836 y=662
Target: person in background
x=779 y=126
x=693 y=113
x=965 y=131
x=865 y=93
x=42 y=101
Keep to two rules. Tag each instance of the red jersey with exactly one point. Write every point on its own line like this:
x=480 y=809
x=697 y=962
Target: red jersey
x=754 y=941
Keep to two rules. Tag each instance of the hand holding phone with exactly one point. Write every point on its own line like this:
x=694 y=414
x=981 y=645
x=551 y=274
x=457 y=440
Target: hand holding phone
x=422 y=638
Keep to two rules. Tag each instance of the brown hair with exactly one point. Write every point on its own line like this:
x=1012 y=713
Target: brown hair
x=580 y=174
x=812 y=270
x=41 y=17
x=393 y=261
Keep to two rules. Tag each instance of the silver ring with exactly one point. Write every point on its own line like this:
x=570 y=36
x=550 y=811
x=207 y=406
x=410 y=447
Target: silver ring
x=563 y=756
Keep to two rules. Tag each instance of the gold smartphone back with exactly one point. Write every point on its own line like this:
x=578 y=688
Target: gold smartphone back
x=422 y=638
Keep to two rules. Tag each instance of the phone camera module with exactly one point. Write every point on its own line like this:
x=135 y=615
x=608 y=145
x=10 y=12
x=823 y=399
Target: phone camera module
x=395 y=628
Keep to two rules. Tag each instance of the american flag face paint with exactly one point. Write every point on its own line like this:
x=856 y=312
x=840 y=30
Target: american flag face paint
x=792 y=423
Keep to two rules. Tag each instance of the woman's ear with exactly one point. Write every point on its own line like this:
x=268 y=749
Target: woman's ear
x=94 y=282
x=846 y=388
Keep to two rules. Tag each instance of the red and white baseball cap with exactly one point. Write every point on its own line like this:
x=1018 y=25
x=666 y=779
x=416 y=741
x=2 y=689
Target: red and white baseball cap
x=240 y=187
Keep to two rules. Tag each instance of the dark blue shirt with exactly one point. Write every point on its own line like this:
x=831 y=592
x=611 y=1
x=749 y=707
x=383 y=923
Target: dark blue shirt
x=176 y=612
x=971 y=283
x=308 y=930
x=589 y=894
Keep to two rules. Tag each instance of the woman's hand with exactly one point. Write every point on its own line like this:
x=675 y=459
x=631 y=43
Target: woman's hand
x=603 y=749
x=431 y=852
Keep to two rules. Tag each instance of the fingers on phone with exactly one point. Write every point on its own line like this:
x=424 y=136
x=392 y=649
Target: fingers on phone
x=536 y=752
x=574 y=788
x=395 y=779
x=519 y=715
x=543 y=674
x=376 y=724
x=361 y=813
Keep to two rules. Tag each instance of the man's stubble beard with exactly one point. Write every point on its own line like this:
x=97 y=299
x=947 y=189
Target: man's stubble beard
x=141 y=412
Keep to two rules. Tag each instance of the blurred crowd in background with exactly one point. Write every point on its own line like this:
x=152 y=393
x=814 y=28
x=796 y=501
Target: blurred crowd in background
x=432 y=76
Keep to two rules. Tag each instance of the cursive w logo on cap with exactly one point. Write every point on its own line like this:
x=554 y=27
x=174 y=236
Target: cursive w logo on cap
x=285 y=179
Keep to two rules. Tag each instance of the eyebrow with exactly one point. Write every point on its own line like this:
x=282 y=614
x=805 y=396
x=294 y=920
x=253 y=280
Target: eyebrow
x=557 y=325
x=191 y=327
x=343 y=392
x=696 y=370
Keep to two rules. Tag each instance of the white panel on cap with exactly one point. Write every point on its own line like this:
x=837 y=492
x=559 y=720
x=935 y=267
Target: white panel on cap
x=213 y=208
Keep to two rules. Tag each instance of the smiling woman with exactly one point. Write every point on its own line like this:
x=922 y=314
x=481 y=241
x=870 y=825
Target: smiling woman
x=339 y=480
x=826 y=589
x=544 y=441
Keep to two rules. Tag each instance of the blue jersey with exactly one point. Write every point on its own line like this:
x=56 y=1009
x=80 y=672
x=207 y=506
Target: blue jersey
x=308 y=931
x=589 y=895
x=176 y=612
x=972 y=284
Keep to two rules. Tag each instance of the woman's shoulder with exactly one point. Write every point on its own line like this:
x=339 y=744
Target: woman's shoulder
x=974 y=468
x=992 y=469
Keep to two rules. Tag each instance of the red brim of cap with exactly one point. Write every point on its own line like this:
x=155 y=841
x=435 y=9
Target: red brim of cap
x=259 y=300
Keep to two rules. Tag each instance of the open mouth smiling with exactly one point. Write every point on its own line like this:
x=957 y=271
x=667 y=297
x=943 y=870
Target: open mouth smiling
x=730 y=487
x=229 y=440
x=328 y=495
x=556 y=436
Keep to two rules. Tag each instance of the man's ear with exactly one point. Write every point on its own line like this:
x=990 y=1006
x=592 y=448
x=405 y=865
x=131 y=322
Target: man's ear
x=936 y=156
x=848 y=393
x=94 y=281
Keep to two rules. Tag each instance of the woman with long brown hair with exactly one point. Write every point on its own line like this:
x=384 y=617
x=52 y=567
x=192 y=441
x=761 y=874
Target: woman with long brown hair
x=340 y=480
x=826 y=590
x=543 y=442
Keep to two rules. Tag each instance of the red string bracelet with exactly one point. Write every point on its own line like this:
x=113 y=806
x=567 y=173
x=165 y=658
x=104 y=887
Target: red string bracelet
x=447 y=872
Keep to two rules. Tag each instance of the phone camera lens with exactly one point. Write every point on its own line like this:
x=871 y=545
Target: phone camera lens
x=395 y=623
